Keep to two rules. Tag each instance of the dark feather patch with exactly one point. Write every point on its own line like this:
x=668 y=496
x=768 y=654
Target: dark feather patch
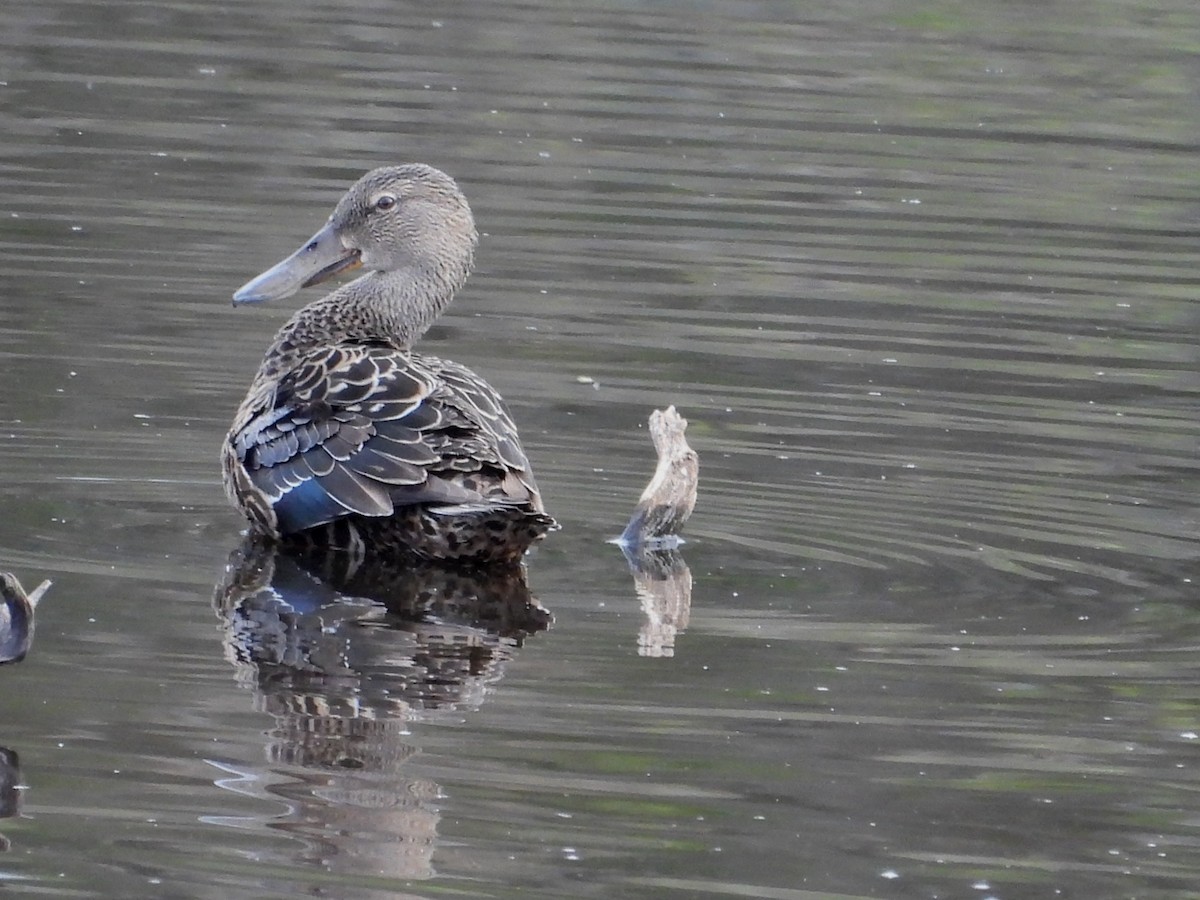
x=306 y=505
x=383 y=467
x=356 y=493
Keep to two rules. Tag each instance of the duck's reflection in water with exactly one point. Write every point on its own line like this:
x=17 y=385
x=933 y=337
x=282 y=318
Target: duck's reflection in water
x=344 y=654
x=663 y=583
x=11 y=790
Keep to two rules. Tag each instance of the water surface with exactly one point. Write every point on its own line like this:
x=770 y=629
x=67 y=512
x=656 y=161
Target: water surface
x=922 y=281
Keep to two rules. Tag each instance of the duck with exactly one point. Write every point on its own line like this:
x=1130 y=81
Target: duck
x=347 y=437
x=16 y=617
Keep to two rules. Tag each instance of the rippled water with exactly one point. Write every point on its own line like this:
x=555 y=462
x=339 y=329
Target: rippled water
x=922 y=279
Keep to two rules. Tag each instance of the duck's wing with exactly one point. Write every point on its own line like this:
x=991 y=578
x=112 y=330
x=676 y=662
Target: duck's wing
x=480 y=438
x=360 y=430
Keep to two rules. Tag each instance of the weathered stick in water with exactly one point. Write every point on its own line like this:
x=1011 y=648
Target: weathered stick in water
x=670 y=497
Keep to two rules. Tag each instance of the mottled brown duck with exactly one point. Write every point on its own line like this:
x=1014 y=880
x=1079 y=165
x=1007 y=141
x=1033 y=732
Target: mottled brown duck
x=349 y=438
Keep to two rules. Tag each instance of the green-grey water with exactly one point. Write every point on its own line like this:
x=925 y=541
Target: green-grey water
x=923 y=281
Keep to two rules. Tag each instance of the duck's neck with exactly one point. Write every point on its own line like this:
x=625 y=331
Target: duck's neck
x=390 y=308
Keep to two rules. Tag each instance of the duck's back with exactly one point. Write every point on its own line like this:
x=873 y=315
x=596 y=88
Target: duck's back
x=358 y=442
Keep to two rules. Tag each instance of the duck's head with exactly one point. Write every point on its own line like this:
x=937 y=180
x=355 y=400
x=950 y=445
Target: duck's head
x=411 y=217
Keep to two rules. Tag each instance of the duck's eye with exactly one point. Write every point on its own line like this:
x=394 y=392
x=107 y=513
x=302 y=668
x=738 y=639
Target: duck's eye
x=385 y=202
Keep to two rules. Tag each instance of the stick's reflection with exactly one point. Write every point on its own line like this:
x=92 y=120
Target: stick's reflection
x=663 y=583
x=344 y=654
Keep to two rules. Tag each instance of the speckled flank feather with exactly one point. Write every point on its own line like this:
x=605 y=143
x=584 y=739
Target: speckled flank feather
x=346 y=434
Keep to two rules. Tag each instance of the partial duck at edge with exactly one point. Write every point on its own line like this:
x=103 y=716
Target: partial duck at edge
x=347 y=436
